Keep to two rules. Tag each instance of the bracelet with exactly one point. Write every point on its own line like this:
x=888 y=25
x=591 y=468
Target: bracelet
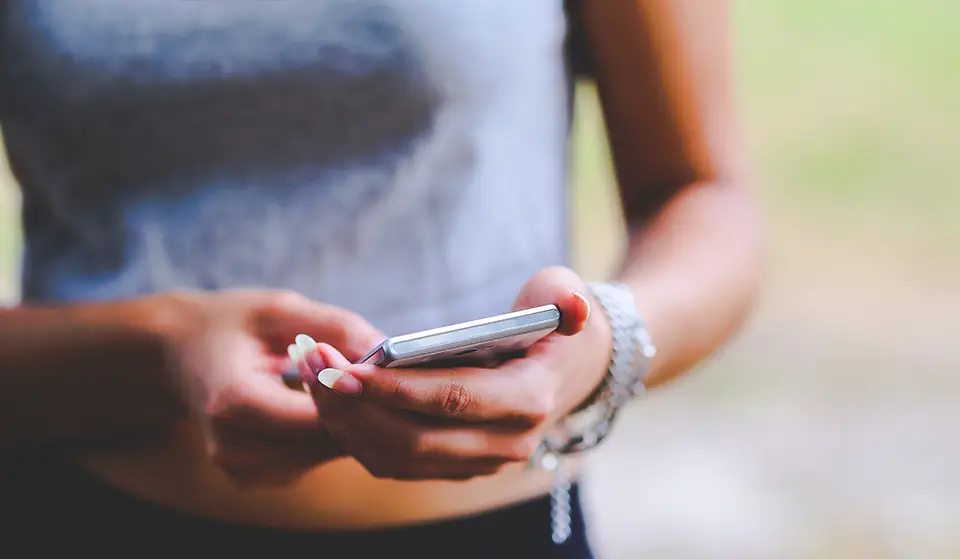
x=633 y=350
x=589 y=425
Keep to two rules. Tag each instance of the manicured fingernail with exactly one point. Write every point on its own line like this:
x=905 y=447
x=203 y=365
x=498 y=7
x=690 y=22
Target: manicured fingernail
x=339 y=381
x=295 y=354
x=586 y=302
x=307 y=347
x=305 y=343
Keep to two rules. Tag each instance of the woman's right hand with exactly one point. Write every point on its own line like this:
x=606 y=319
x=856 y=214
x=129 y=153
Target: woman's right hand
x=227 y=351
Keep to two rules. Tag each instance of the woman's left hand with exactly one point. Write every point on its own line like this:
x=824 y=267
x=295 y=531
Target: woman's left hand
x=467 y=421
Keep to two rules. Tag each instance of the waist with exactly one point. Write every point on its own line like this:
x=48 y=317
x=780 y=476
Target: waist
x=164 y=491
x=337 y=496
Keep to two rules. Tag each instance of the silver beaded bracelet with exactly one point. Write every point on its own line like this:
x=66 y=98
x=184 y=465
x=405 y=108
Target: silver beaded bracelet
x=633 y=350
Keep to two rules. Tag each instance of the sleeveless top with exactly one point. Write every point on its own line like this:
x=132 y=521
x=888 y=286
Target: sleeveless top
x=405 y=159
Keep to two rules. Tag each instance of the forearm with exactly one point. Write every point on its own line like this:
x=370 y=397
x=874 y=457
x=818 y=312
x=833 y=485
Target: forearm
x=75 y=372
x=695 y=270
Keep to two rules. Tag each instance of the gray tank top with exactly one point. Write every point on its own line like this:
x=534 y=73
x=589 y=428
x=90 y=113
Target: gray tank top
x=401 y=158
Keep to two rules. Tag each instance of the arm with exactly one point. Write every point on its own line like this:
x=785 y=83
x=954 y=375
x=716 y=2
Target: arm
x=81 y=371
x=693 y=261
x=663 y=73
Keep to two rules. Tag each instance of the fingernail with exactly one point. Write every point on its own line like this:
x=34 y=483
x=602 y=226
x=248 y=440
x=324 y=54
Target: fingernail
x=339 y=381
x=586 y=302
x=295 y=354
x=305 y=343
x=307 y=347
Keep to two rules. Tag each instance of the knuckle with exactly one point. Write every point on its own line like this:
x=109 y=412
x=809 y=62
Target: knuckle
x=540 y=408
x=349 y=320
x=422 y=445
x=399 y=390
x=454 y=399
x=337 y=331
x=269 y=308
x=523 y=447
x=537 y=409
x=528 y=382
x=282 y=300
x=407 y=447
x=358 y=334
x=542 y=377
x=537 y=393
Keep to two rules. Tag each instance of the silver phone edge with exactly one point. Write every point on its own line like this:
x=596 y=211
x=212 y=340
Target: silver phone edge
x=389 y=352
x=546 y=317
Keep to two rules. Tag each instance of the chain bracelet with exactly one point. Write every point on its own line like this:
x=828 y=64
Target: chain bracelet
x=633 y=350
x=561 y=520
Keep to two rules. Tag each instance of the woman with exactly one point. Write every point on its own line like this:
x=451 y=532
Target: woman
x=203 y=182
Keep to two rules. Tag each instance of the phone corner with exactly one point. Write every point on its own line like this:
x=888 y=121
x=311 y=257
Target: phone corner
x=388 y=350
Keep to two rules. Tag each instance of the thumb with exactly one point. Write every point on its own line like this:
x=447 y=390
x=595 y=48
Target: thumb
x=561 y=287
x=347 y=331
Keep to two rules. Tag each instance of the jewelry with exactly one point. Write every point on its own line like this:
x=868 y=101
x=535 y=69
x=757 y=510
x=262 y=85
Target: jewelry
x=587 y=427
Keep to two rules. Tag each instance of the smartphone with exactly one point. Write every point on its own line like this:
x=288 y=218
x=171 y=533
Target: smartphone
x=483 y=342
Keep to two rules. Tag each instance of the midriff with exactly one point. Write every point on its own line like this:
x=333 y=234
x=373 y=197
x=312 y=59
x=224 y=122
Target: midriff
x=340 y=495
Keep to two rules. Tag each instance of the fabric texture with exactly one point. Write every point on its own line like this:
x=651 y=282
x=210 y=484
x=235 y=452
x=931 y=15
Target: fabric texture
x=404 y=159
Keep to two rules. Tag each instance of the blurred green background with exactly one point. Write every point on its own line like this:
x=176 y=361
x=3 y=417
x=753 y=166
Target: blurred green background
x=830 y=426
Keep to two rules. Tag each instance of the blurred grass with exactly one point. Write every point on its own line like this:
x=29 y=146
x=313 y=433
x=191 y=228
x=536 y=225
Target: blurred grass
x=852 y=115
x=852 y=111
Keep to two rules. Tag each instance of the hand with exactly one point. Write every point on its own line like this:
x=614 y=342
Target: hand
x=228 y=351
x=466 y=421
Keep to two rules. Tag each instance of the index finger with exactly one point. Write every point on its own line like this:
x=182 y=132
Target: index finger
x=291 y=314
x=506 y=394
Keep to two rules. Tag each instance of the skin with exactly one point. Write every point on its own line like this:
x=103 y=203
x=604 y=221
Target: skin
x=208 y=427
x=465 y=422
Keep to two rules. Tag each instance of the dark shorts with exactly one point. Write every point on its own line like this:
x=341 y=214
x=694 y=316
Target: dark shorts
x=51 y=505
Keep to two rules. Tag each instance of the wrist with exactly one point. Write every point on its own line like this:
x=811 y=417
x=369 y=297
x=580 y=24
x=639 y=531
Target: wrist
x=133 y=356
x=85 y=371
x=630 y=353
x=598 y=338
x=134 y=335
